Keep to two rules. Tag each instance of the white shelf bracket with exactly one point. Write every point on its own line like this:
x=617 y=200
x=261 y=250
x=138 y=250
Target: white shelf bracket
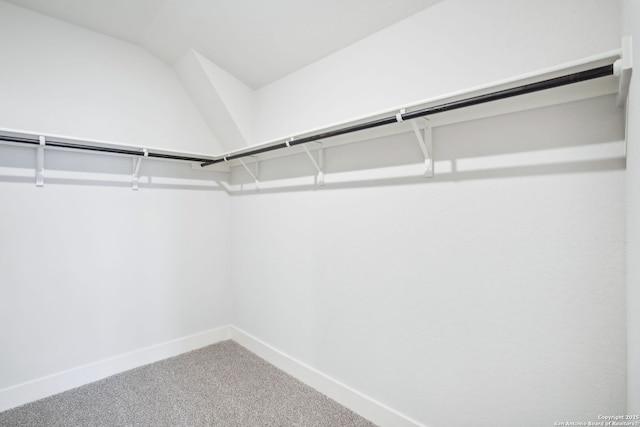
x=622 y=69
x=40 y=163
x=136 y=169
x=255 y=177
x=426 y=145
x=319 y=165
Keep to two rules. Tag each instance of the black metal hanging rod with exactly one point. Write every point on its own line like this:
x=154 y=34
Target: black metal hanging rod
x=68 y=145
x=568 y=79
x=581 y=76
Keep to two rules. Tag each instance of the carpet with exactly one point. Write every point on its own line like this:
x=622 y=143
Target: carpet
x=220 y=385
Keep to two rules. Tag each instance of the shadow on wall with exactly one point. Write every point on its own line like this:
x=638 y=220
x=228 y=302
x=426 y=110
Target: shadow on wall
x=577 y=137
x=18 y=163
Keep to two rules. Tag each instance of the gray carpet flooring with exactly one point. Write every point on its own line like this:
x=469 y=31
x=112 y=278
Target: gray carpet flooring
x=220 y=385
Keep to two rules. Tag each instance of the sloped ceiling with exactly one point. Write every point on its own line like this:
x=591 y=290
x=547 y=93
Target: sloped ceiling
x=257 y=41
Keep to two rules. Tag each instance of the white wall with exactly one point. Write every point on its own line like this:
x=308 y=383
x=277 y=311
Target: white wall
x=631 y=26
x=494 y=293
x=491 y=294
x=57 y=78
x=225 y=102
x=453 y=45
x=237 y=96
x=91 y=269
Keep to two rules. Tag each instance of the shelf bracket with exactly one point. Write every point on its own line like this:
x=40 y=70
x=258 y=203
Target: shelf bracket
x=136 y=169
x=40 y=163
x=319 y=165
x=426 y=145
x=622 y=69
x=257 y=173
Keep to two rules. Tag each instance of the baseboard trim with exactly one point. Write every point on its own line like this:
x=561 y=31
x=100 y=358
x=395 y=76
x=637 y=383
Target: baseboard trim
x=59 y=382
x=359 y=403
x=49 y=385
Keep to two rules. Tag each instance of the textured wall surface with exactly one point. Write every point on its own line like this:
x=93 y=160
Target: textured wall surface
x=57 y=78
x=451 y=46
x=492 y=294
x=631 y=26
x=91 y=269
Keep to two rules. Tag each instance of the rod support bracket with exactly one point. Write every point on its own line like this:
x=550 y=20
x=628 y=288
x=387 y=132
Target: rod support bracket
x=136 y=169
x=40 y=162
x=319 y=165
x=254 y=176
x=623 y=69
x=426 y=145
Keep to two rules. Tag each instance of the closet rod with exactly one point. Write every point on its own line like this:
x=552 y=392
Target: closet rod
x=568 y=79
x=577 y=77
x=58 y=144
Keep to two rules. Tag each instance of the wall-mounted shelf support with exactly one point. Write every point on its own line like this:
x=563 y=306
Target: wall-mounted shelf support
x=426 y=145
x=319 y=165
x=622 y=68
x=604 y=65
x=136 y=169
x=40 y=162
x=254 y=176
x=447 y=105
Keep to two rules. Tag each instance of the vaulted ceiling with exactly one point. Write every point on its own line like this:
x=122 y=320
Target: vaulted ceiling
x=258 y=41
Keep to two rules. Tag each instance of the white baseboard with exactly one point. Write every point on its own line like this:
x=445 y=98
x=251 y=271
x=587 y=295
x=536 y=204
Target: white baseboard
x=359 y=403
x=49 y=385
x=39 y=388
